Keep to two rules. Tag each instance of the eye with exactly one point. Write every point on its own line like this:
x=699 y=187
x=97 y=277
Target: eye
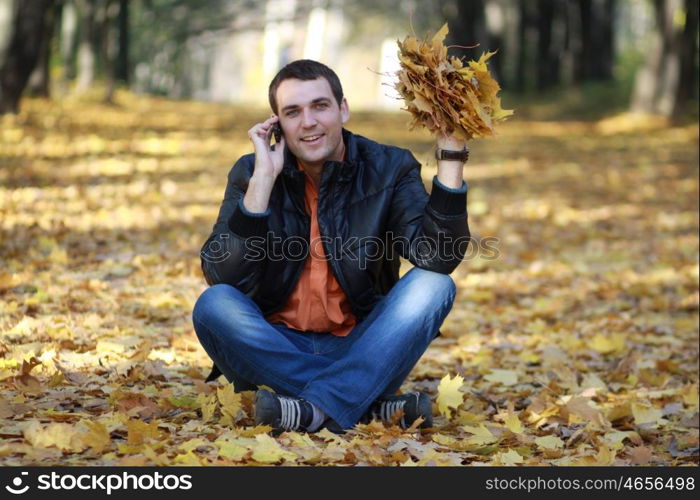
x=293 y=112
x=322 y=105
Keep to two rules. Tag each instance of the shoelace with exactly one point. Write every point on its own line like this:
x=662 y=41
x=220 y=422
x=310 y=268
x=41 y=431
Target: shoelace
x=290 y=414
x=387 y=409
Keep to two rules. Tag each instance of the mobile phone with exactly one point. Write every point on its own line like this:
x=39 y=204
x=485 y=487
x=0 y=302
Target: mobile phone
x=277 y=132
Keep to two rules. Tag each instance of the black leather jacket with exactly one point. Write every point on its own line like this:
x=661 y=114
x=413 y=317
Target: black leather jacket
x=372 y=208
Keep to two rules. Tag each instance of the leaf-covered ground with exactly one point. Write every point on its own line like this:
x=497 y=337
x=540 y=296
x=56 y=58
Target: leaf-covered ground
x=573 y=340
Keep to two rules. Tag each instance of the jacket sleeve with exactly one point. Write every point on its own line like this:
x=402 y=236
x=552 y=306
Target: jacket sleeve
x=431 y=231
x=234 y=252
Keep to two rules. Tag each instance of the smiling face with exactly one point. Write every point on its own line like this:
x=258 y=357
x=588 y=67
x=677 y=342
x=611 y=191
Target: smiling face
x=312 y=120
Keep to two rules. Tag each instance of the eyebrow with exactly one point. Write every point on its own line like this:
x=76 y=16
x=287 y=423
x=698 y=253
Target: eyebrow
x=315 y=101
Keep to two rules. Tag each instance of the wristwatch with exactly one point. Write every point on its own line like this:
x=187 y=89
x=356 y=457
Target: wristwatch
x=447 y=154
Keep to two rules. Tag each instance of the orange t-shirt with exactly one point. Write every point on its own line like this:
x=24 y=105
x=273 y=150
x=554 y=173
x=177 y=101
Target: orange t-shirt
x=318 y=303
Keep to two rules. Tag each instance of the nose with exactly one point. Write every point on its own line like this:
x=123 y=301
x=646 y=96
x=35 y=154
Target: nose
x=308 y=119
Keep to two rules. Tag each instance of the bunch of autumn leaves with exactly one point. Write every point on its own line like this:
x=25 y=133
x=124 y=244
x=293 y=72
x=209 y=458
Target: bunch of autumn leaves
x=442 y=94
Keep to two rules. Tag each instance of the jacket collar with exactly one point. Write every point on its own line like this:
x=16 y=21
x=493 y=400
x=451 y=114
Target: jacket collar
x=347 y=167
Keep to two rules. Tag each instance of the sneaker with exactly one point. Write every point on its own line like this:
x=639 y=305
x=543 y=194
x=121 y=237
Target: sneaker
x=282 y=413
x=414 y=405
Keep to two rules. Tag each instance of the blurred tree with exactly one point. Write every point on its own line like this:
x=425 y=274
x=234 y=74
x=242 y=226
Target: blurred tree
x=688 y=85
x=86 y=56
x=68 y=43
x=593 y=28
x=25 y=30
x=108 y=46
x=551 y=27
x=662 y=84
x=495 y=14
x=161 y=30
x=526 y=16
x=122 y=71
x=468 y=28
x=40 y=78
x=562 y=41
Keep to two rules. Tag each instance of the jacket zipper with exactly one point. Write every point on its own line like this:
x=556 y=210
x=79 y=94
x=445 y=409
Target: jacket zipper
x=335 y=267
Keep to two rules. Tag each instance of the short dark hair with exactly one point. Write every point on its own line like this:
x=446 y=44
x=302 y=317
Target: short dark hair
x=305 y=69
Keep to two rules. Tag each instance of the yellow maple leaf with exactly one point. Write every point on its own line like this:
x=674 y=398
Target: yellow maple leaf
x=510 y=457
x=230 y=404
x=188 y=458
x=327 y=436
x=139 y=431
x=61 y=435
x=505 y=377
x=232 y=450
x=549 y=442
x=192 y=444
x=97 y=437
x=529 y=356
x=614 y=439
x=608 y=344
x=690 y=395
x=439 y=37
x=254 y=431
x=605 y=456
x=512 y=422
x=207 y=403
x=582 y=409
x=151 y=454
x=449 y=394
x=302 y=440
x=268 y=451
x=593 y=381
x=645 y=413
x=481 y=435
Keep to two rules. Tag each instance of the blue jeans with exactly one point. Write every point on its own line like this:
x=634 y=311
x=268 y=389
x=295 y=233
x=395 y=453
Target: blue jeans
x=340 y=375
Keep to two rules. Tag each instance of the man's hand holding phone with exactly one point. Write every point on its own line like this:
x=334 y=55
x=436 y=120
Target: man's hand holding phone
x=268 y=160
x=268 y=163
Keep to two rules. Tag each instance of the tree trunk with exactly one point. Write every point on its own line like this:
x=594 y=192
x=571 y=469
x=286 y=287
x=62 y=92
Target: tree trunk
x=546 y=65
x=688 y=85
x=86 y=45
x=22 y=52
x=8 y=11
x=603 y=62
x=495 y=24
x=594 y=57
x=39 y=80
x=68 y=44
x=109 y=45
x=582 y=68
x=467 y=26
x=122 y=66
x=657 y=82
x=523 y=42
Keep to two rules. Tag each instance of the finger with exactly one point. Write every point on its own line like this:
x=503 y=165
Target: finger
x=259 y=130
x=273 y=119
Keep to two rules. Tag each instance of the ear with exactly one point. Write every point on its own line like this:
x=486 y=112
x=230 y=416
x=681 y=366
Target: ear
x=344 y=110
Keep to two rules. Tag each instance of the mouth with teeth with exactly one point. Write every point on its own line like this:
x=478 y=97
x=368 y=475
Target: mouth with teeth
x=312 y=139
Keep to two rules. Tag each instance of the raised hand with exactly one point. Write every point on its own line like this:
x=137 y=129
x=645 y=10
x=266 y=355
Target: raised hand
x=268 y=162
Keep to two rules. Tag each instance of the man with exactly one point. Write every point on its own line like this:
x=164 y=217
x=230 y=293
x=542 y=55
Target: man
x=303 y=263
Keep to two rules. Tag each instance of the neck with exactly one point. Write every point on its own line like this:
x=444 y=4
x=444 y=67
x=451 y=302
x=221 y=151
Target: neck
x=314 y=170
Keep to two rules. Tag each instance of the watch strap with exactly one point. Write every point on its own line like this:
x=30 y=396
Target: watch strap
x=448 y=154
